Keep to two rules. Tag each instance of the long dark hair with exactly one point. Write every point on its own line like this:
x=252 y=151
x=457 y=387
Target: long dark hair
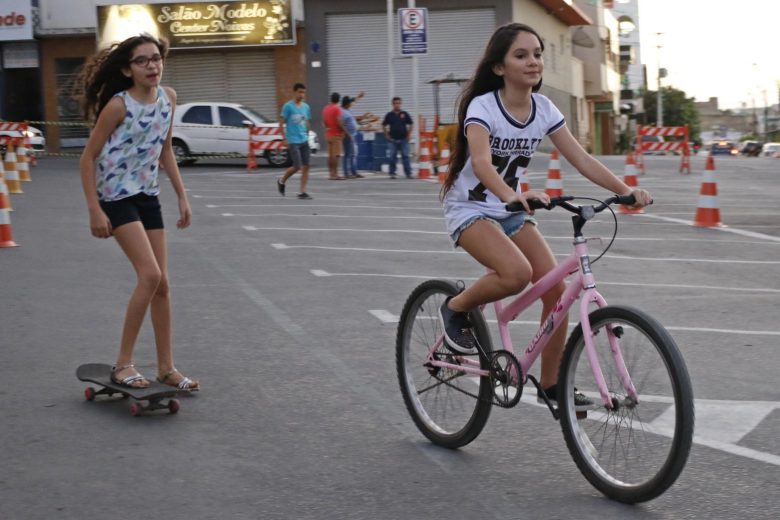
x=102 y=75
x=484 y=80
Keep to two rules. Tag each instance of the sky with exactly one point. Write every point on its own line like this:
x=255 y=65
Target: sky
x=714 y=48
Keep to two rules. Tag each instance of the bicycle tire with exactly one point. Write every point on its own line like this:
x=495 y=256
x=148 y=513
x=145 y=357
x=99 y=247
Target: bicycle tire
x=656 y=432
x=450 y=414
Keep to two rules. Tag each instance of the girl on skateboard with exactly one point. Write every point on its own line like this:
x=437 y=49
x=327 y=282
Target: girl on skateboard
x=130 y=140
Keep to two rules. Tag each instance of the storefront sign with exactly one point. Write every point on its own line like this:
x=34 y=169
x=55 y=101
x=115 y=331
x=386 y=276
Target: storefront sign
x=15 y=20
x=206 y=24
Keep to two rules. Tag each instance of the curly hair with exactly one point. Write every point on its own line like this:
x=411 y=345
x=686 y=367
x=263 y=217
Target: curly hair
x=102 y=75
x=484 y=81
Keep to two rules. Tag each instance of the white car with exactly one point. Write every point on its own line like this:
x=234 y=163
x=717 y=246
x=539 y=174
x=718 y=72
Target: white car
x=216 y=128
x=770 y=150
x=34 y=137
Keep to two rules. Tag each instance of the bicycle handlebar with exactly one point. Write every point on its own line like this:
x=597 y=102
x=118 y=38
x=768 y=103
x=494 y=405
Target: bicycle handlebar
x=562 y=202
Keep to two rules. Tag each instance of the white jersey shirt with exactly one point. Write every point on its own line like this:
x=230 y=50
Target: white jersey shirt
x=512 y=144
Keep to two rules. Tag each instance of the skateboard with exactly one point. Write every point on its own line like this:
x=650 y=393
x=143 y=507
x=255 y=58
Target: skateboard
x=154 y=394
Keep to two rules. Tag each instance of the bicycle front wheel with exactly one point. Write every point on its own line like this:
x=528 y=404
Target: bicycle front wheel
x=449 y=406
x=633 y=451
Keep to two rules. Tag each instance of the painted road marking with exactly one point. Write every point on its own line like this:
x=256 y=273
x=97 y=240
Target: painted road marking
x=322 y=273
x=444 y=252
x=387 y=317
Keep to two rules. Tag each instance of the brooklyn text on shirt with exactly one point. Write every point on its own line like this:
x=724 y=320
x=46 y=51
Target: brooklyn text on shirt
x=512 y=146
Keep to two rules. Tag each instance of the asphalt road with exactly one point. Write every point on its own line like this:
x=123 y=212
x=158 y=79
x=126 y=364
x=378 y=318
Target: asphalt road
x=285 y=310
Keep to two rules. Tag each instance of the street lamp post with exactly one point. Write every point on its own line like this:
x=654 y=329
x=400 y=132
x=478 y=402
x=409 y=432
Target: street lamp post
x=659 y=114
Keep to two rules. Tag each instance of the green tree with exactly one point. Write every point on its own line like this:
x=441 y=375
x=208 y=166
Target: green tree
x=679 y=110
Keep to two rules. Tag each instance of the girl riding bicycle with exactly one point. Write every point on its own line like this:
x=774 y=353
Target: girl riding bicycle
x=501 y=121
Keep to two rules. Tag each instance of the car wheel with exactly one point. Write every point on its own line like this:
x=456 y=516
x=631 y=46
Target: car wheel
x=278 y=158
x=180 y=150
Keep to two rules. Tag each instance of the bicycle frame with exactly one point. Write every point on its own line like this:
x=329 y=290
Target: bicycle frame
x=582 y=286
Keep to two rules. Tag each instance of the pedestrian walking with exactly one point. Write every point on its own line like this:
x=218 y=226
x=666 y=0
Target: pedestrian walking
x=130 y=140
x=334 y=134
x=501 y=121
x=398 y=126
x=295 y=122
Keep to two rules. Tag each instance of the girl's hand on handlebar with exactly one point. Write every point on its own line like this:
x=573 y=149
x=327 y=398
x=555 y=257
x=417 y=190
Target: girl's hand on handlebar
x=524 y=197
x=643 y=198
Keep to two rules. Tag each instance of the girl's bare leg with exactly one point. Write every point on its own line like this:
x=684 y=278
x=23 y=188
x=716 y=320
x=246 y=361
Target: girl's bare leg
x=133 y=240
x=489 y=246
x=535 y=248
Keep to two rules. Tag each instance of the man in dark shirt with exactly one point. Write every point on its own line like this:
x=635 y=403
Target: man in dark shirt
x=398 y=129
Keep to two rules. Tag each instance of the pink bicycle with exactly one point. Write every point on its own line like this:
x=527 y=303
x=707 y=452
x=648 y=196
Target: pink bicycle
x=631 y=444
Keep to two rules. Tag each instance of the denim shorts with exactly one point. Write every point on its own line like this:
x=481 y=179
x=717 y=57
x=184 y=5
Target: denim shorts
x=510 y=225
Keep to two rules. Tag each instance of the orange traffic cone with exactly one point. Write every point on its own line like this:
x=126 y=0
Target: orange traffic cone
x=685 y=162
x=5 y=198
x=708 y=212
x=11 y=175
x=640 y=161
x=444 y=162
x=22 y=166
x=424 y=171
x=554 y=185
x=30 y=154
x=630 y=180
x=524 y=184
x=6 y=236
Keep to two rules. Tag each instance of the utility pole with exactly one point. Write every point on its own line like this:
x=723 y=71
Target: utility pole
x=661 y=72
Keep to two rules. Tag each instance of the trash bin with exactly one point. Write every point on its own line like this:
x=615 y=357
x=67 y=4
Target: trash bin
x=365 y=157
x=379 y=151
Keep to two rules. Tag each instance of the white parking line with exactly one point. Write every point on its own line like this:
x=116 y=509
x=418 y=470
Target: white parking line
x=445 y=252
x=742 y=232
x=323 y=273
x=386 y=316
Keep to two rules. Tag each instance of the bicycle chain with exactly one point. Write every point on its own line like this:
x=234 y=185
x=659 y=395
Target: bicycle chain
x=493 y=400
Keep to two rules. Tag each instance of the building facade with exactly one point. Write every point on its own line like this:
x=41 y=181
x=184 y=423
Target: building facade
x=256 y=76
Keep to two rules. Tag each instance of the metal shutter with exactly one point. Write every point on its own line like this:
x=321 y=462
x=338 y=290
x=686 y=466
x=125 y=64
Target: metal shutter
x=357 y=58
x=245 y=76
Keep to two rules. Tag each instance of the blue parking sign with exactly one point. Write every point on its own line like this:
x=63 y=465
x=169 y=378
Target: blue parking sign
x=413 y=22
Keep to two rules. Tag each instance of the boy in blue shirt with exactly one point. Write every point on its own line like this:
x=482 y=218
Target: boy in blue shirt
x=295 y=124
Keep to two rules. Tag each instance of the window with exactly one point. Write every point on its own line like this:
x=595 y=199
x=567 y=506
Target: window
x=231 y=117
x=198 y=115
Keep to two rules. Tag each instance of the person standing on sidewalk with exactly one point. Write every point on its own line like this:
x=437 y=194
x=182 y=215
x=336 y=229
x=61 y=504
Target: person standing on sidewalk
x=334 y=134
x=350 y=133
x=398 y=129
x=294 y=121
x=130 y=140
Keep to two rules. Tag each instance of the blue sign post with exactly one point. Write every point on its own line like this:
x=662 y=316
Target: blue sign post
x=413 y=22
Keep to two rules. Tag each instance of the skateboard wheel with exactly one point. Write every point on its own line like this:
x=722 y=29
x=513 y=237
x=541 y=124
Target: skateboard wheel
x=89 y=393
x=135 y=409
x=173 y=405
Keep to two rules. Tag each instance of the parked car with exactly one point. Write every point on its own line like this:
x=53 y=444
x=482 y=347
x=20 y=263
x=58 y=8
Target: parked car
x=770 y=150
x=724 y=148
x=751 y=148
x=211 y=128
x=34 y=137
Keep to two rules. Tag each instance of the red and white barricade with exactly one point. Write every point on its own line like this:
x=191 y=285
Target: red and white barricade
x=263 y=138
x=680 y=143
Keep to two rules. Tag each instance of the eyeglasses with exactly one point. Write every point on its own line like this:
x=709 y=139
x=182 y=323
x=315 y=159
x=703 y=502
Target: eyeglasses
x=143 y=61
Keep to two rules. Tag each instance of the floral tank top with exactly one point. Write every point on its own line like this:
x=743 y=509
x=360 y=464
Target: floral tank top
x=129 y=162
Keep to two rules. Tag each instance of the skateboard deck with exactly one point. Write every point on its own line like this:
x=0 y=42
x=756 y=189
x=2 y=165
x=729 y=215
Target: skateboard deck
x=154 y=394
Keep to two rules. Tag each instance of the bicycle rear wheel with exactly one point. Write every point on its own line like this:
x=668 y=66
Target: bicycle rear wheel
x=448 y=406
x=635 y=451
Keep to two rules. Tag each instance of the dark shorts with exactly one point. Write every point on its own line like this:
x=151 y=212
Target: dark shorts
x=142 y=207
x=299 y=154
